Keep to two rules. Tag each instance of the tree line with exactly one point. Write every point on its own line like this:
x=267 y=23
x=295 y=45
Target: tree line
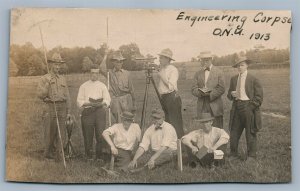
x=27 y=60
x=264 y=56
x=30 y=61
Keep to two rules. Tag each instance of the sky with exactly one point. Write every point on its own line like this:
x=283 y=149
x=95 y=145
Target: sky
x=151 y=29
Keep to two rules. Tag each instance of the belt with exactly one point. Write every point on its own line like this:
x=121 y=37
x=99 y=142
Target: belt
x=58 y=102
x=164 y=94
x=122 y=94
x=242 y=101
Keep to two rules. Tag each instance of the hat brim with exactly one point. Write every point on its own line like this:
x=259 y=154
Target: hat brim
x=127 y=118
x=204 y=120
x=122 y=59
x=206 y=57
x=157 y=116
x=248 y=61
x=166 y=56
x=55 y=61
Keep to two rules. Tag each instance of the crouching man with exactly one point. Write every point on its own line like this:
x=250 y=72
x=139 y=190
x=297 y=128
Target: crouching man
x=161 y=137
x=206 y=143
x=123 y=138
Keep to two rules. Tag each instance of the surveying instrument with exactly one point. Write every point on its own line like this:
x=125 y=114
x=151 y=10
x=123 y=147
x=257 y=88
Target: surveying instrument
x=149 y=68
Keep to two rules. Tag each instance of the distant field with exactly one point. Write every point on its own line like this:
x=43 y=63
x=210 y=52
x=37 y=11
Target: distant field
x=27 y=116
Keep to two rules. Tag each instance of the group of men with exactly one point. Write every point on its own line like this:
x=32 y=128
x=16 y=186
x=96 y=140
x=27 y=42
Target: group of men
x=159 y=141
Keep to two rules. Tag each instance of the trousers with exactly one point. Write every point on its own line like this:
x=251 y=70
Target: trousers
x=93 y=122
x=119 y=105
x=243 y=119
x=166 y=156
x=171 y=104
x=52 y=141
x=208 y=159
x=123 y=158
x=218 y=121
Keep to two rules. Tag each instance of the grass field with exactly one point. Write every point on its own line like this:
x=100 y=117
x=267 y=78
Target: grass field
x=26 y=120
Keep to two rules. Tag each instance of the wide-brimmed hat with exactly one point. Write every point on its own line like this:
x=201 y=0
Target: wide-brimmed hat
x=95 y=70
x=206 y=54
x=117 y=55
x=56 y=58
x=127 y=116
x=157 y=114
x=242 y=58
x=167 y=53
x=204 y=118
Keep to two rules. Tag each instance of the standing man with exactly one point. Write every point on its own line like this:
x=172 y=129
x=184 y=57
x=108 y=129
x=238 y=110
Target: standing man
x=209 y=88
x=93 y=99
x=246 y=93
x=167 y=87
x=121 y=88
x=160 y=140
x=53 y=90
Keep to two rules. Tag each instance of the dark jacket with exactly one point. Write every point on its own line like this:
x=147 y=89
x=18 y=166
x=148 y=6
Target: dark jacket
x=215 y=83
x=254 y=92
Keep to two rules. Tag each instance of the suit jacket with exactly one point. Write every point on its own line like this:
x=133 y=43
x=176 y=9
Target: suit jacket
x=215 y=83
x=254 y=92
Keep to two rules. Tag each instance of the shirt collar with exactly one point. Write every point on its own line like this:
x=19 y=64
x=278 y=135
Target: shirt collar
x=244 y=74
x=210 y=67
x=161 y=126
x=121 y=70
x=91 y=82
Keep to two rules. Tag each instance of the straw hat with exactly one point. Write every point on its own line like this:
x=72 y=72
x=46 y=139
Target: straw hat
x=95 y=70
x=167 y=53
x=206 y=54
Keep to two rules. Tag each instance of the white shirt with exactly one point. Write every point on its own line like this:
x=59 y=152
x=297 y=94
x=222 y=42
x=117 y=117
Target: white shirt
x=170 y=74
x=200 y=138
x=166 y=136
x=92 y=89
x=206 y=74
x=125 y=139
x=242 y=77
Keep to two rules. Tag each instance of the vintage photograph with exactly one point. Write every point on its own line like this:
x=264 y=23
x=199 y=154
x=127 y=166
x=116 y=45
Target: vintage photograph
x=149 y=96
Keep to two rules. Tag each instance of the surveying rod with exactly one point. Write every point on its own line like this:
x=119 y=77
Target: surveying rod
x=55 y=110
x=112 y=159
x=108 y=84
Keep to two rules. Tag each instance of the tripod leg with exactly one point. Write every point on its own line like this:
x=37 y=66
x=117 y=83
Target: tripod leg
x=144 y=107
x=157 y=93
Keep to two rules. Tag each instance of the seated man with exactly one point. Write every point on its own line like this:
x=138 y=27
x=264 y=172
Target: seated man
x=204 y=142
x=162 y=137
x=123 y=138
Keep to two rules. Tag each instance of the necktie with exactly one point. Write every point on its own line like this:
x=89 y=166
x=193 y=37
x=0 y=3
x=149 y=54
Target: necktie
x=206 y=75
x=238 y=87
x=158 y=127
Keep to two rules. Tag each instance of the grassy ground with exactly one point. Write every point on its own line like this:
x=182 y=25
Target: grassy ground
x=26 y=120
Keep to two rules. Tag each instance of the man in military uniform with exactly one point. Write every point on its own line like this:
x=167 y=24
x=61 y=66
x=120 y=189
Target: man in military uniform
x=53 y=90
x=121 y=88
